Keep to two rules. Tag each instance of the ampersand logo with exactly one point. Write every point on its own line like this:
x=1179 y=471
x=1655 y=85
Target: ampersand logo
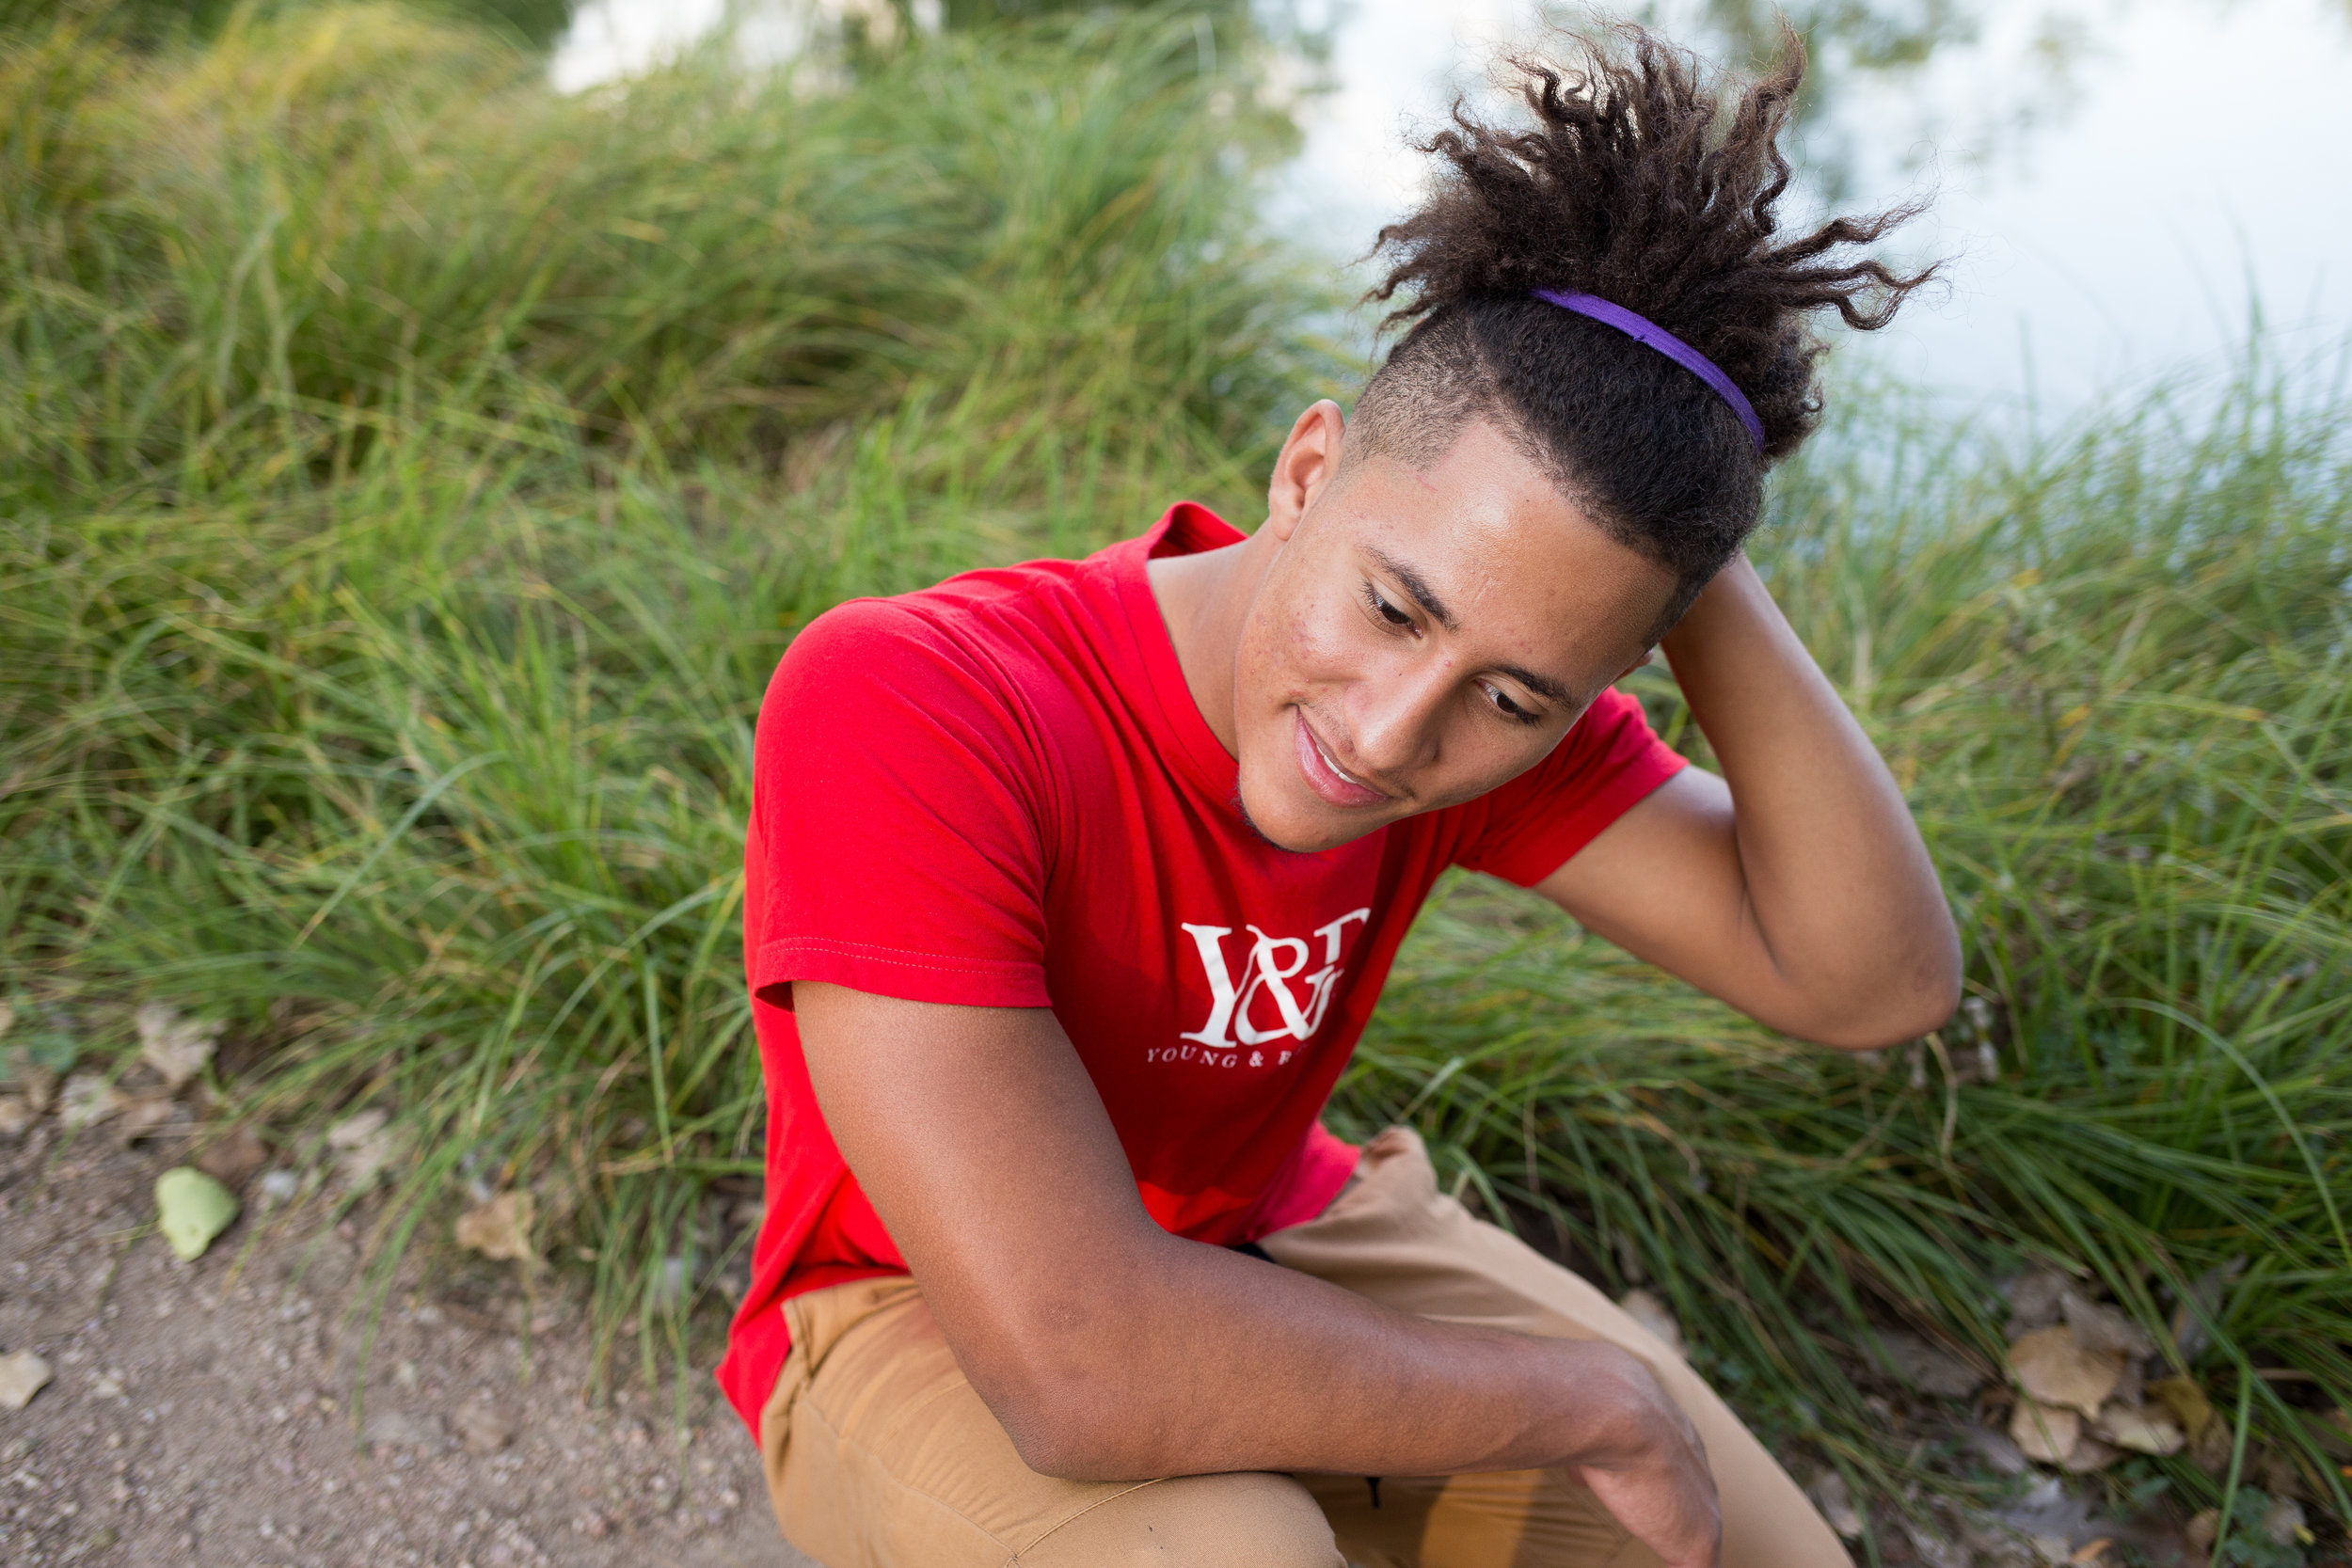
x=1272 y=999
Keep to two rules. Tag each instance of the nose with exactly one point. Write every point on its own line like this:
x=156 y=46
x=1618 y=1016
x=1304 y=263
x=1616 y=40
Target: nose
x=1395 y=719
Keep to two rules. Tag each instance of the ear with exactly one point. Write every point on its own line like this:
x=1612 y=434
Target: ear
x=1647 y=655
x=1305 y=467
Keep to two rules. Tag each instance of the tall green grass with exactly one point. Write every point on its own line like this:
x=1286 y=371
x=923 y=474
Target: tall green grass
x=411 y=476
x=408 y=478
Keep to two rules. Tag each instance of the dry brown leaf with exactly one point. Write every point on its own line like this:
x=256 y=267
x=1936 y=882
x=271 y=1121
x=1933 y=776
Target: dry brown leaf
x=2099 y=1328
x=2280 y=1476
x=1924 y=1367
x=1830 y=1495
x=2091 y=1551
x=177 y=1048
x=16 y=1113
x=232 y=1160
x=1994 y=1450
x=2200 y=1529
x=2045 y=1433
x=357 y=1129
x=39 y=1086
x=1651 y=1313
x=2201 y=1306
x=2141 y=1429
x=2033 y=1300
x=2055 y=1369
x=2089 y=1455
x=483 y=1428
x=367 y=1145
x=2131 y=1387
x=2188 y=1402
x=23 y=1374
x=88 y=1100
x=499 y=1228
x=141 y=1117
x=2211 y=1453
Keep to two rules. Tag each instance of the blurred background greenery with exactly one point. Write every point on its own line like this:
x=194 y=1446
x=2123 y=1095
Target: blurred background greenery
x=410 y=475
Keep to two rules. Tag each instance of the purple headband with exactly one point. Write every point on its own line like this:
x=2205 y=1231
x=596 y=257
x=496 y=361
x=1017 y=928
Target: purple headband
x=1643 y=330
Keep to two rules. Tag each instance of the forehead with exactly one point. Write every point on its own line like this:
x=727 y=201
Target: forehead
x=1515 y=564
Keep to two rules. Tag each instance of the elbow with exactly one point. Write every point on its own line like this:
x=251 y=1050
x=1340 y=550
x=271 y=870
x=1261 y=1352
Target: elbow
x=1073 y=1401
x=1063 y=1432
x=1897 y=1008
x=1055 y=1447
x=1888 y=1025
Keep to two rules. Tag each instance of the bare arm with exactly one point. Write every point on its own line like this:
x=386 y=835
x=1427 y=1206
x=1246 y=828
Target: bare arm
x=1112 y=1350
x=1795 y=887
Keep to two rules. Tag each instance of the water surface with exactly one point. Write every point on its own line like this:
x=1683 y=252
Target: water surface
x=2125 y=186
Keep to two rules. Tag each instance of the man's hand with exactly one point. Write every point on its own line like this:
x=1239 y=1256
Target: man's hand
x=1111 y=1349
x=1653 y=1478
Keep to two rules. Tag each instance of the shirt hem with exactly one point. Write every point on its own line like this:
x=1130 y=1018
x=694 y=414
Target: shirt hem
x=907 y=977
x=1534 y=857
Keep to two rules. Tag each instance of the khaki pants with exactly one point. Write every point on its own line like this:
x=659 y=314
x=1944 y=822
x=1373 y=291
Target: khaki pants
x=880 y=1455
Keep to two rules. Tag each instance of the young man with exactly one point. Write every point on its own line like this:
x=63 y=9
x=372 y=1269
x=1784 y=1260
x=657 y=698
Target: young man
x=1072 y=884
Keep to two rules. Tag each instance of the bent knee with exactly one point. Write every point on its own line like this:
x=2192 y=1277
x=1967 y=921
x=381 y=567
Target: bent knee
x=1247 y=1520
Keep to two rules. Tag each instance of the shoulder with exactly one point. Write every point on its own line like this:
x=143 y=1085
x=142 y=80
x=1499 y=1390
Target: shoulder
x=972 y=619
x=859 y=630
x=911 y=645
x=944 y=682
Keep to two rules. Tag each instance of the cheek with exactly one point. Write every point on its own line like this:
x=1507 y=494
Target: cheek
x=1485 y=756
x=1294 y=649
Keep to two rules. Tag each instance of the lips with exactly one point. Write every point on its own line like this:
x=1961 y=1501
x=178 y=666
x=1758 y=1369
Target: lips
x=1323 y=776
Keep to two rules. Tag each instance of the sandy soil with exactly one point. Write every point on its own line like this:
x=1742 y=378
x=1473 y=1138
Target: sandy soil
x=202 y=1413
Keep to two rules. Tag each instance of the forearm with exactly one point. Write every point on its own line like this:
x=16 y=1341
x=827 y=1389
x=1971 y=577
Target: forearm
x=1838 y=886
x=1203 y=1361
x=1110 y=1349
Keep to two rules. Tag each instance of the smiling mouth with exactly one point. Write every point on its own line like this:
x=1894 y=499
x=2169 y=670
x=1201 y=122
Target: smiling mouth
x=1326 y=777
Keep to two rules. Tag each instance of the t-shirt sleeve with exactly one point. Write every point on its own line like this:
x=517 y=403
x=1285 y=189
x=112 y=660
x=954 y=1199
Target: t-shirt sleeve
x=894 y=845
x=1600 y=770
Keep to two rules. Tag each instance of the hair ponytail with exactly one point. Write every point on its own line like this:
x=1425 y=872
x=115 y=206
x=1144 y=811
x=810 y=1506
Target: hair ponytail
x=1642 y=182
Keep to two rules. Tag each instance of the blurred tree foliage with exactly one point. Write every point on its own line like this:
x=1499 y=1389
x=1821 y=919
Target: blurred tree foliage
x=978 y=13
x=538 y=23
x=154 y=21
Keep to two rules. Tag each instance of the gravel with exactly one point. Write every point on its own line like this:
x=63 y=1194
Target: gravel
x=202 y=1413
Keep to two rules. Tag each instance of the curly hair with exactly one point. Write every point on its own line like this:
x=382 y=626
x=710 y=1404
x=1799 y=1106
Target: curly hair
x=1624 y=188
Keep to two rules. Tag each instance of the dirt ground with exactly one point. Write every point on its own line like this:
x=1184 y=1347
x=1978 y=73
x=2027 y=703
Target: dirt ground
x=201 y=1413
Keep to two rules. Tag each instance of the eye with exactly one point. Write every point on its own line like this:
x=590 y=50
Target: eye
x=1388 y=611
x=1510 y=709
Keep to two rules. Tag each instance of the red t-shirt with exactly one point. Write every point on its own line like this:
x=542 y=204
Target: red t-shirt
x=998 y=792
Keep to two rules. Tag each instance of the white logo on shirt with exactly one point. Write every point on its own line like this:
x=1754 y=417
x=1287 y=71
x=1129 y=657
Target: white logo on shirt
x=1272 y=968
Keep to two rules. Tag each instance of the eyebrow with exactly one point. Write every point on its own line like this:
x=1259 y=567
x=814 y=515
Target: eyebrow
x=1417 y=585
x=1422 y=595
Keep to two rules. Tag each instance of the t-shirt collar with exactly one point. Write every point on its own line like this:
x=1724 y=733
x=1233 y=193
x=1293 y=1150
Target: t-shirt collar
x=1187 y=529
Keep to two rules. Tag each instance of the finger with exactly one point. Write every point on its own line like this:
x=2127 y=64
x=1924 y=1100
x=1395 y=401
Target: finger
x=1671 y=1510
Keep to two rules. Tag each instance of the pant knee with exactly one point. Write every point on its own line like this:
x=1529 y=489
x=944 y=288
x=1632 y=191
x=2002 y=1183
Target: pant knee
x=1248 y=1520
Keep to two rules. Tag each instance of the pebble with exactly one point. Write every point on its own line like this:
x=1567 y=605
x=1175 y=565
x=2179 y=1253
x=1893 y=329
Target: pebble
x=279 y=1185
x=23 y=1374
x=484 y=1428
x=401 y=1428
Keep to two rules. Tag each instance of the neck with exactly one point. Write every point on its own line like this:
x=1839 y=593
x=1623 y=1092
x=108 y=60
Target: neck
x=1204 y=599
